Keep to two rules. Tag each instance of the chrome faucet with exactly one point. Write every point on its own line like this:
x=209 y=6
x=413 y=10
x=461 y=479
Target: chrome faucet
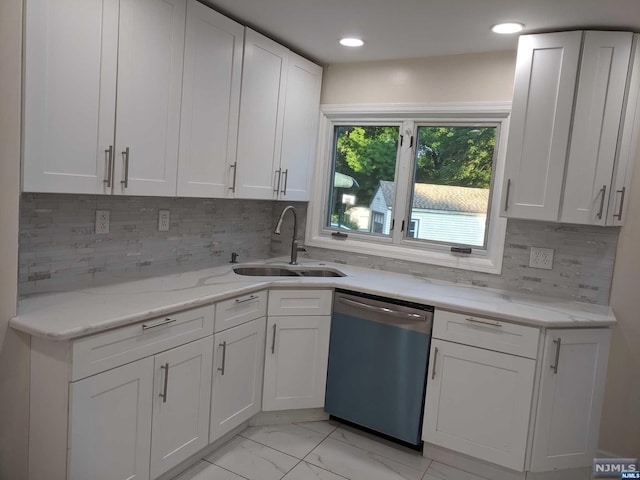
x=294 y=240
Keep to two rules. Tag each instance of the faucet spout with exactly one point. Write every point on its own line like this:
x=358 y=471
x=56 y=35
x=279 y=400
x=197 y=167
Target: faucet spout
x=294 y=240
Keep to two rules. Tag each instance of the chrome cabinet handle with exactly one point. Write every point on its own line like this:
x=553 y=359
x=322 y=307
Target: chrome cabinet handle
x=109 y=153
x=603 y=190
x=163 y=395
x=484 y=322
x=286 y=178
x=506 y=200
x=619 y=214
x=247 y=299
x=224 y=356
x=159 y=324
x=235 y=172
x=273 y=340
x=125 y=157
x=279 y=173
x=435 y=359
x=555 y=367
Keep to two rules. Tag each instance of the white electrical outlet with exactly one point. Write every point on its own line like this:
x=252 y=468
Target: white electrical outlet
x=102 y=222
x=163 y=220
x=541 y=258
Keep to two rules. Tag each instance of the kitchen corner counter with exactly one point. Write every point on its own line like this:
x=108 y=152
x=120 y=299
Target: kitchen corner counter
x=66 y=315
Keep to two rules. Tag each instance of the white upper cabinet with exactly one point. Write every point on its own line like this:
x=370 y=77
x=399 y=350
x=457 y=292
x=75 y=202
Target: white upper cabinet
x=264 y=80
x=540 y=124
x=210 y=103
x=300 y=130
x=574 y=127
x=84 y=57
x=70 y=94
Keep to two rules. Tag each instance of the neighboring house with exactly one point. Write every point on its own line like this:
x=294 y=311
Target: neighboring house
x=440 y=213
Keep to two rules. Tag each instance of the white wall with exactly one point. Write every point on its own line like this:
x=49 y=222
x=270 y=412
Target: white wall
x=486 y=77
x=14 y=347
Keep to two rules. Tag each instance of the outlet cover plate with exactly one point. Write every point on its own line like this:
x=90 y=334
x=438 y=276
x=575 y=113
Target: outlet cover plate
x=541 y=258
x=102 y=222
x=163 y=220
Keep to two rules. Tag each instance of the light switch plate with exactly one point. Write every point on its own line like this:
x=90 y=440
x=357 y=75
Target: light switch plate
x=541 y=258
x=102 y=222
x=163 y=220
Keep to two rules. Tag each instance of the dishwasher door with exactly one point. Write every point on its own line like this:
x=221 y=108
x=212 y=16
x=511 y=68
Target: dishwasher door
x=378 y=355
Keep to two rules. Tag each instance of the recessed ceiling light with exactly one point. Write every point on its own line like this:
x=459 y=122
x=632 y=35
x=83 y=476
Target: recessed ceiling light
x=507 y=27
x=351 y=42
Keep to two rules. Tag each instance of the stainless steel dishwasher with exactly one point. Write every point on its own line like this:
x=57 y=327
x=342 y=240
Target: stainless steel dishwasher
x=378 y=355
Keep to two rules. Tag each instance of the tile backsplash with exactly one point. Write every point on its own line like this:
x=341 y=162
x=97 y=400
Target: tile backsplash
x=59 y=249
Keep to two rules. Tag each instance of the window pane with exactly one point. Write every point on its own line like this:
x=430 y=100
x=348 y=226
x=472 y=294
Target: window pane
x=363 y=179
x=451 y=184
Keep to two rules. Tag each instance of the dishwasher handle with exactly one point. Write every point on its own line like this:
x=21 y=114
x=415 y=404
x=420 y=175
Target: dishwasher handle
x=384 y=310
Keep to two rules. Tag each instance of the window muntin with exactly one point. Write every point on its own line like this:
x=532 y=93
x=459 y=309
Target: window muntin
x=364 y=155
x=451 y=184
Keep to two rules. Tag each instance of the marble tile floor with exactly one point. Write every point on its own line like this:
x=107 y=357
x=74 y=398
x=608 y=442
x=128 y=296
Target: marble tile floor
x=324 y=450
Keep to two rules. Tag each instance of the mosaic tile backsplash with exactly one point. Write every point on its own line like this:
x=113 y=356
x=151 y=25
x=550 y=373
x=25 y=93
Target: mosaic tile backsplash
x=59 y=249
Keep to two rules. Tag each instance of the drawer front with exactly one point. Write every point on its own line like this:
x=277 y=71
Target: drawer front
x=486 y=333
x=300 y=302
x=110 y=349
x=238 y=310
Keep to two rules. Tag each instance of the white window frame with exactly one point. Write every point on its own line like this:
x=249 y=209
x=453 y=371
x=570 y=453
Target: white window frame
x=394 y=246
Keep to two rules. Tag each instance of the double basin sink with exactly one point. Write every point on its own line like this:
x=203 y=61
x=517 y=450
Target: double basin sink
x=288 y=271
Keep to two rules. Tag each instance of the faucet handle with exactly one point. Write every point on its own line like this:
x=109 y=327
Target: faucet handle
x=234 y=257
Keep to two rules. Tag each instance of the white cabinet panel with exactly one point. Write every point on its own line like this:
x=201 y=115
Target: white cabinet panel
x=539 y=129
x=571 y=395
x=150 y=61
x=597 y=117
x=296 y=355
x=210 y=102
x=237 y=376
x=478 y=403
x=300 y=302
x=70 y=94
x=238 y=310
x=181 y=396
x=261 y=114
x=110 y=424
x=300 y=130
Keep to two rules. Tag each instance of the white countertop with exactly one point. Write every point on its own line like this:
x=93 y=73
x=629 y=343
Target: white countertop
x=66 y=315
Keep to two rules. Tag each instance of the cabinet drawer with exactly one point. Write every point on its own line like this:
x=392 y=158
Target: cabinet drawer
x=123 y=345
x=486 y=333
x=238 y=310
x=300 y=302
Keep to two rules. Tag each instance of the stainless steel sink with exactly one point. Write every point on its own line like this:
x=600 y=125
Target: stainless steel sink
x=293 y=271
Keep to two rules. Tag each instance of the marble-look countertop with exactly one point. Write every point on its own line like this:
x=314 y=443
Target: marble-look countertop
x=70 y=314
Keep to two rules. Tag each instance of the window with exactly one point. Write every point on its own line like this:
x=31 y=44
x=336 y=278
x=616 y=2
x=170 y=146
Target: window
x=412 y=184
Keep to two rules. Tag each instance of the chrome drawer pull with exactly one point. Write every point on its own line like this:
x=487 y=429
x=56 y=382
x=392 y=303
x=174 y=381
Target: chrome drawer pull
x=603 y=190
x=109 y=153
x=248 y=299
x=279 y=173
x=163 y=395
x=273 y=341
x=555 y=367
x=506 y=200
x=286 y=178
x=435 y=359
x=159 y=324
x=125 y=156
x=484 y=322
x=224 y=356
x=619 y=214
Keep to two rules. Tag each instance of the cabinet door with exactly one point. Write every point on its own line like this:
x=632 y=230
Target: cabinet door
x=570 y=400
x=181 y=395
x=210 y=102
x=540 y=124
x=264 y=80
x=295 y=366
x=150 y=56
x=69 y=94
x=110 y=431
x=237 y=376
x=300 y=130
x=594 y=136
x=478 y=403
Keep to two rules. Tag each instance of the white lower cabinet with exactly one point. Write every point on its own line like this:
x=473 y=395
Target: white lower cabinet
x=110 y=424
x=574 y=368
x=478 y=402
x=237 y=376
x=295 y=365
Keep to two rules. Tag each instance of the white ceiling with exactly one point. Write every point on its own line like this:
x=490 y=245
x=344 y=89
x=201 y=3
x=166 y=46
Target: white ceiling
x=417 y=28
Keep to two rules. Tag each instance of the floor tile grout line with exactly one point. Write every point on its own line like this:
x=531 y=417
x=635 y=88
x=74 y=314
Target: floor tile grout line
x=326 y=434
x=326 y=470
x=226 y=469
x=293 y=456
